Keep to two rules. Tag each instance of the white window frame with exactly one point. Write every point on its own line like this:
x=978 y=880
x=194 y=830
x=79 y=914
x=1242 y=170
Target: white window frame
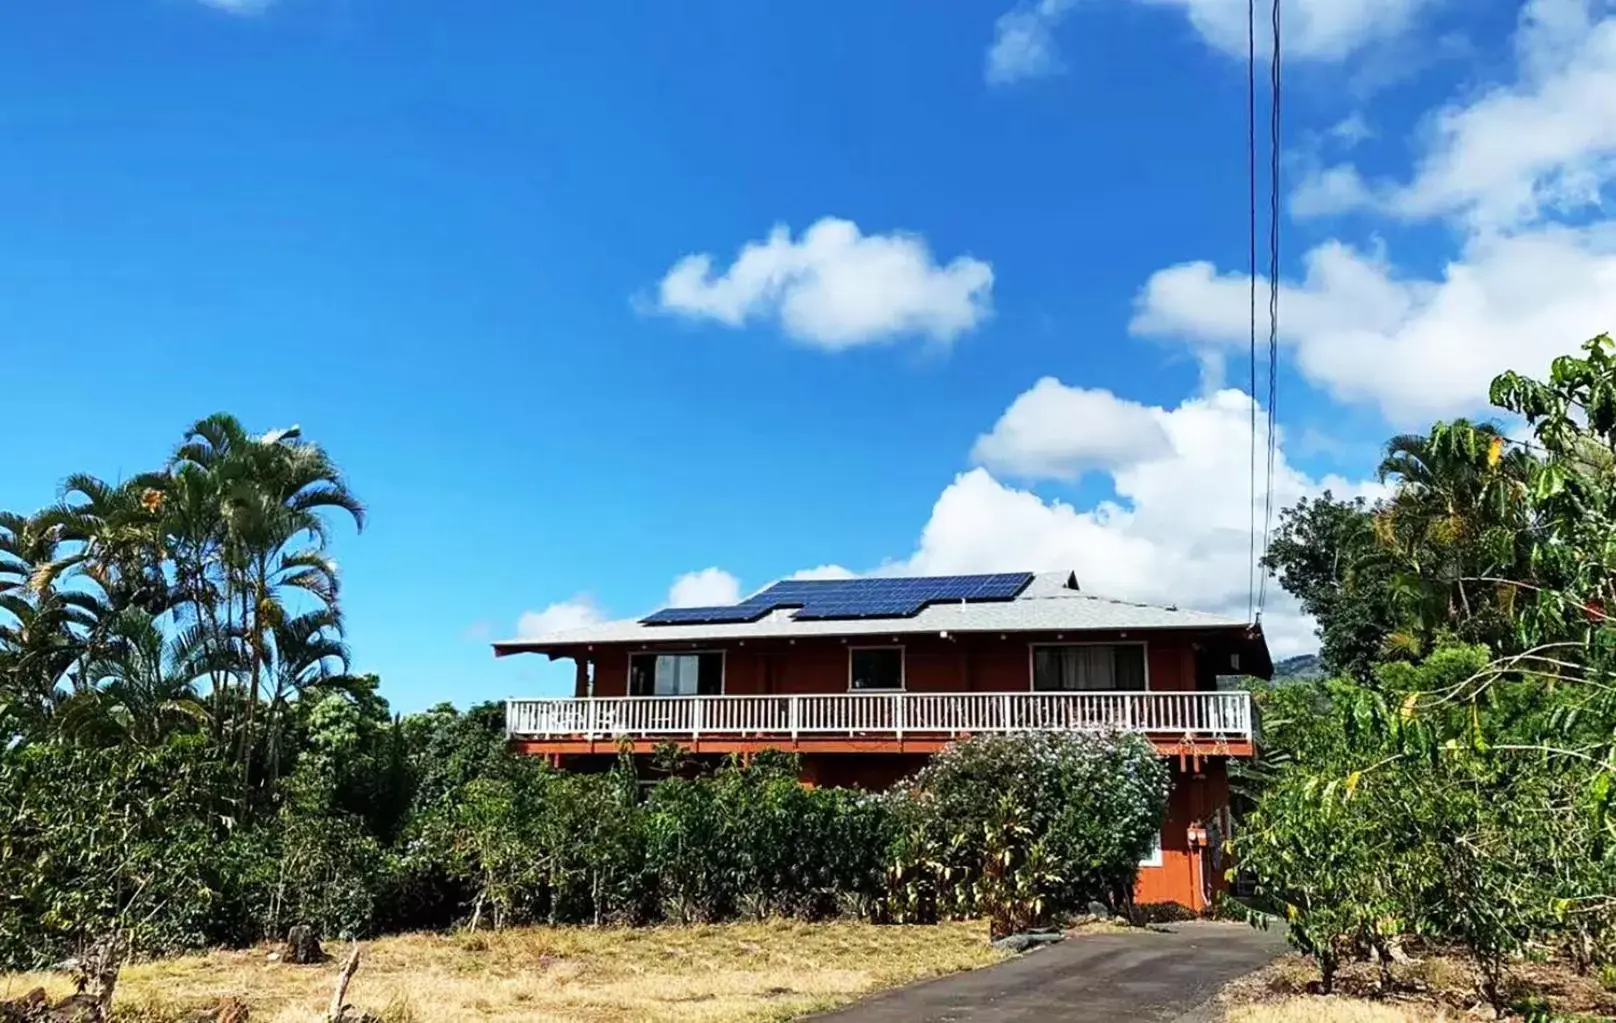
x=903 y=667
x=723 y=671
x=1032 y=662
x=1154 y=858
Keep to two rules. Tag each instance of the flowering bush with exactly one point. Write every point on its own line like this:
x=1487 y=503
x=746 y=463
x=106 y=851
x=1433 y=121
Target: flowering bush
x=1025 y=827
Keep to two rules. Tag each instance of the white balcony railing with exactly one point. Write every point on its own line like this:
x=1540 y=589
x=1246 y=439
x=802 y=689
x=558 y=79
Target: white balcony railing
x=1196 y=714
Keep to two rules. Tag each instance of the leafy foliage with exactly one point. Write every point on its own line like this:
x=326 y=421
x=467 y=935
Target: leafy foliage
x=1456 y=782
x=1024 y=828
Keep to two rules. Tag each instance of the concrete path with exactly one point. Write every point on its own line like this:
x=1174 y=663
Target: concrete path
x=1140 y=977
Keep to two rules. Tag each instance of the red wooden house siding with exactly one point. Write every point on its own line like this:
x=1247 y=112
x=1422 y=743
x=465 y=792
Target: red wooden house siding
x=967 y=664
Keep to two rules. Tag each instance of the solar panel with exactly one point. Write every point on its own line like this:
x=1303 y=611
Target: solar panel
x=704 y=615
x=820 y=599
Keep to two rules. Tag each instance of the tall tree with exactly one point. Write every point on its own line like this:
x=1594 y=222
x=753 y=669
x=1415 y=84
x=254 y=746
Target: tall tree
x=41 y=627
x=141 y=683
x=272 y=492
x=1325 y=553
x=1453 y=523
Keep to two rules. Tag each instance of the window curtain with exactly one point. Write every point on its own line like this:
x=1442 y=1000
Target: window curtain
x=1088 y=668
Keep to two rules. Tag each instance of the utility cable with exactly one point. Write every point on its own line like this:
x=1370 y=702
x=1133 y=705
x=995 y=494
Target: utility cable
x=1251 y=178
x=1273 y=295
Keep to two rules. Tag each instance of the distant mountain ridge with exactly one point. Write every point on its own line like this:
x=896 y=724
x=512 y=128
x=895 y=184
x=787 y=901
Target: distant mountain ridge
x=1301 y=668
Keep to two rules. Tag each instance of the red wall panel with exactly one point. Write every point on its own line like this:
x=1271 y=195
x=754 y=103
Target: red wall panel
x=964 y=663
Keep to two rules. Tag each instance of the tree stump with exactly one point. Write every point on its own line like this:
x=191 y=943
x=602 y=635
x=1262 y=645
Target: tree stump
x=95 y=972
x=34 y=1007
x=26 y=1009
x=303 y=946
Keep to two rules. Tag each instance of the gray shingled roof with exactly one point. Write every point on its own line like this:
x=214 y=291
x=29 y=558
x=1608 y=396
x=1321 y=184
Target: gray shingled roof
x=1048 y=604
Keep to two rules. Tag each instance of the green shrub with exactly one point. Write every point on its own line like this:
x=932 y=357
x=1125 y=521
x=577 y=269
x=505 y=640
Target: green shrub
x=1025 y=828
x=94 y=837
x=753 y=841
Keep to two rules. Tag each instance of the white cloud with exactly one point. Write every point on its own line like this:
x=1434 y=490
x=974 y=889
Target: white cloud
x=1328 y=191
x=1061 y=432
x=1516 y=169
x=1178 y=531
x=835 y=287
x=1024 y=44
x=1313 y=29
x=1415 y=348
x=1323 y=30
x=708 y=587
x=1544 y=145
x=561 y=616
x=824 y=572
x=1351 y=130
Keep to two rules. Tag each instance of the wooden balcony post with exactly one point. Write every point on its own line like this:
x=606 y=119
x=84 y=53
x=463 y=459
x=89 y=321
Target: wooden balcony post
x=696 y=716
x=794 y=714
x=591 y=718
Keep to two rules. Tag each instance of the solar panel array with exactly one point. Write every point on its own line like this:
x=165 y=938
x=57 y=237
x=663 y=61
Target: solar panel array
x=821 y=599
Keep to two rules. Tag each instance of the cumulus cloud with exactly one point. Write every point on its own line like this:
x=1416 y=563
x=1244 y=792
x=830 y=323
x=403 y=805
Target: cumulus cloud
x=1415 y=348
x=1024 y=42
x=1515 y=169
x=707 y=587
x=1320 y=30
x=1177 y=531
x=1314 y=29
x=1061 y=432
x=1541 y=146
x=824 y=572
x=835 y=287
x=562 y=616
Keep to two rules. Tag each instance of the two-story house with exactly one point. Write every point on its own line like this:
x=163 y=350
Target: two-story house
x=864 y=678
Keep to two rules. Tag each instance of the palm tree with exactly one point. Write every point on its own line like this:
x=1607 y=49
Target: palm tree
x=41 y=626
x=1456 y=514
x=308 y=653
x=271 y=493
x=141 y=684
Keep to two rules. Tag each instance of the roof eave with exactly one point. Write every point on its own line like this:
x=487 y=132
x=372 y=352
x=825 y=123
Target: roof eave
x=1250 y=639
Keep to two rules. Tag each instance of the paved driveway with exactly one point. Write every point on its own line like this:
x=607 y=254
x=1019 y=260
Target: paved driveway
x=1097 y=978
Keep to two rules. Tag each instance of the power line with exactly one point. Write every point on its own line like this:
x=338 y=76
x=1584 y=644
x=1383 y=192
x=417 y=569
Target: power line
x=1273 y=295
x=1251 y=176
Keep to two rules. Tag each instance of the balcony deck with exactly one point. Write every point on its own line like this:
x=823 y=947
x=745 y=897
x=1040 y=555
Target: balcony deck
x=1190 y=724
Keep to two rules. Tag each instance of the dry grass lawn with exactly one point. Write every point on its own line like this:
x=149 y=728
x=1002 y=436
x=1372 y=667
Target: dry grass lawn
x=1433 y=988
x=1332 y=1010
x=755 y=971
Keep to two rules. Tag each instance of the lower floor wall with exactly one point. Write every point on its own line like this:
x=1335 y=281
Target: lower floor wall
x=1188 y=871
x=1191 y=869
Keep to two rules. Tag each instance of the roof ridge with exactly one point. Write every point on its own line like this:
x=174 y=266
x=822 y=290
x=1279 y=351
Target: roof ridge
x=1101 y=598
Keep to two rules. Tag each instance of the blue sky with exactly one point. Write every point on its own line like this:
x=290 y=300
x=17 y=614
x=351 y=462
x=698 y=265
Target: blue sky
x=453 y=247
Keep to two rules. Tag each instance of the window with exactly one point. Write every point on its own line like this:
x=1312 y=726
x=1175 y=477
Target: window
x=697 y=674
x=1088 y=666
x=1154 y=857
x=875 y=667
